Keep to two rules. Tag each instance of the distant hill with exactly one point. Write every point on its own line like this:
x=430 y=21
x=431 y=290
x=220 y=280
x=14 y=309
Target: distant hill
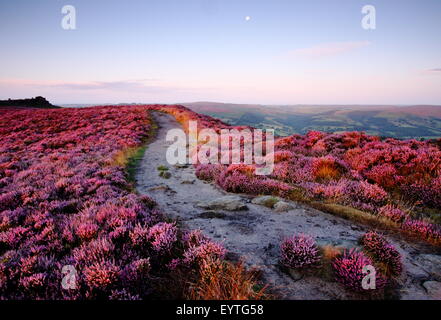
x=37 y=102
x=402 y=122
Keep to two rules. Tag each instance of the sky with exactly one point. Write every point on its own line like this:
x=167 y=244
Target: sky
x=239 y=51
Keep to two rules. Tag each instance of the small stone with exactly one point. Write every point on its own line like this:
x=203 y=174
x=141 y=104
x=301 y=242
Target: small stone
x=212 y=215
x=229 y=203
x=188 y=179
x=433 y=288
x=267 y=201
x=160 y=187
x=294 y=274
x=282 y=206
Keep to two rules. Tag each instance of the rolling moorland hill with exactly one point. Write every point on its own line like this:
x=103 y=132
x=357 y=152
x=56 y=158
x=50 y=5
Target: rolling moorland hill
x=401 y=122
x=67 y=197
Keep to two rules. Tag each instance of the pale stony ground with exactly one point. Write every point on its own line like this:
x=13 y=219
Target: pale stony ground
x=255 y=233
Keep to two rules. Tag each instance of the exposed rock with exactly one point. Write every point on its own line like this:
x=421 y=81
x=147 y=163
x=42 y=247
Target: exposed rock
x=181 y=166
x=267 y=201
x=431 y=263
x=433 y=288
x=212 y=215
x=229 y=203
x=242 y=228
x=294 y=274
x=282 y=206
x=161 y=187
x=37 y=102
x=416 y=272
x=188 y=179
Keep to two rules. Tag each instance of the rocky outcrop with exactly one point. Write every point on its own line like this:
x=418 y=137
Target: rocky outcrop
x=37 y=102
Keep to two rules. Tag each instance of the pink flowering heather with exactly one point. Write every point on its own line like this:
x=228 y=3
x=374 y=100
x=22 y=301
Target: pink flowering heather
x=87 y=231
x=299 y=252
x=197 y=249
x=65 y=200
x=207 y=249
x=101 y=275
x=393 y=213
x=348 y=270
x=423 y=229
x=351 y=168
x=377 y=247
x=209 y=172
x=194 y=238
x=162 y=236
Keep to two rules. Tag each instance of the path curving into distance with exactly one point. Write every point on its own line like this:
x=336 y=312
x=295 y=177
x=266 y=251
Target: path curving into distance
x=255 y=234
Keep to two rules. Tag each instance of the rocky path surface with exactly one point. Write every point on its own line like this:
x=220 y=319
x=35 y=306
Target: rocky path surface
x=255 y=231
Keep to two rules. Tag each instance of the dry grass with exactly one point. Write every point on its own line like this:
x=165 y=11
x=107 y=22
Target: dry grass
x=221 y=280
x=355 y=215
x=299 y=195
x=329 y=253
x=327 y=172
x=123 y=157
x=130 y=157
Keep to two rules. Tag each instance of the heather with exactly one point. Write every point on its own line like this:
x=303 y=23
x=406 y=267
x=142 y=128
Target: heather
x=396 y=183
x=383 y=253
x=299 y=252
x=348 y=268
x=65 y=200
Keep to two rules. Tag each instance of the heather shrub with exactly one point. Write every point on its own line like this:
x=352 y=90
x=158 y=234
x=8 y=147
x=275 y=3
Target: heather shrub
x=383 y=253
x=209 y=172
x=162 y=236
x=65 y=200
x=393 y=213
x=197 y=249
x=423 y=229
x=299 y=252
x=101 y=275
x=196 y=255
x=348 y=269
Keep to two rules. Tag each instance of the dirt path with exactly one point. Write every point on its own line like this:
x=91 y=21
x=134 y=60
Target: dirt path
x=255 y=234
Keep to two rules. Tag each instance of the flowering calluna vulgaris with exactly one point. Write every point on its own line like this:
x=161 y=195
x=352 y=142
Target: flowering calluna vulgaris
x=350 y=168
x=65 y=201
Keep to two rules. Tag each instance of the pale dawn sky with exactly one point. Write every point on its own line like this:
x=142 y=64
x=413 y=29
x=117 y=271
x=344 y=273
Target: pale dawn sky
x=243 y=51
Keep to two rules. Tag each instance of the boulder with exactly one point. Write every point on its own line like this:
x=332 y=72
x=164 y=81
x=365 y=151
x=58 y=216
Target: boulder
x=267 y=201
x=229 y=203
x=431 y=263
x=188 y=179
x=433 y=289
x=282 y=206
x=295 y=274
